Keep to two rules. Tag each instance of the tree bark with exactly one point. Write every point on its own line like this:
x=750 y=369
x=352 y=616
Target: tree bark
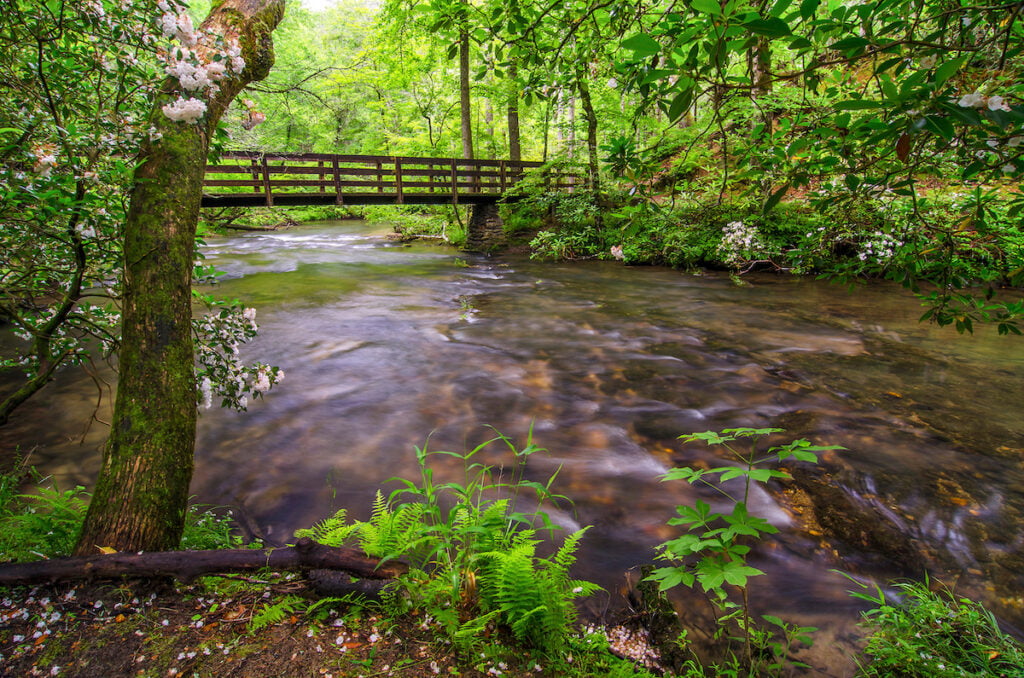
x=515 y=152
x=142 y=491
x=593 y=175
x=187 y=565
x=464 y=100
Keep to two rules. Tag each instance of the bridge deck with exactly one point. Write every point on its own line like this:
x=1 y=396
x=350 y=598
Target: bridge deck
x=257 y=179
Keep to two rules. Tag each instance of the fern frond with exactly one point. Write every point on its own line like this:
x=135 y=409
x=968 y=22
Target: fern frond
x=333 y=531
x=473 y=628
x=275 y=614
x=565 y=557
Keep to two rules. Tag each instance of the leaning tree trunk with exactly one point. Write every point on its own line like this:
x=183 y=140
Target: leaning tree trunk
x=142 y=491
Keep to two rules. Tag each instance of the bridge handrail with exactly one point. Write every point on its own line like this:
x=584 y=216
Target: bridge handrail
x=398 y=177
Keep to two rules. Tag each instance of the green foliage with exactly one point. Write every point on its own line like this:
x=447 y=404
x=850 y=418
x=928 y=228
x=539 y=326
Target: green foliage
x=208 y=528
x=46 y=522
x=530 y=594
x=276 y=612
x=574 y=232
x=472 y=555
x=935 y=634
x=43 y=524
x=712 y=552
x=918 y=93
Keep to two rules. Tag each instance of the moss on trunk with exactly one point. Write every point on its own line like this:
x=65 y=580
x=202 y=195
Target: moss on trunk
x=141 y=494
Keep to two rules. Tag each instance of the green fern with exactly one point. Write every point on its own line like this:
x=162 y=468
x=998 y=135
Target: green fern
x=532 y=595
x=333 y=531
x=276 y=613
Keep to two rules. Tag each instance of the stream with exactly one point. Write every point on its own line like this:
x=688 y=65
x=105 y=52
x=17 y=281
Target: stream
x=386 y=346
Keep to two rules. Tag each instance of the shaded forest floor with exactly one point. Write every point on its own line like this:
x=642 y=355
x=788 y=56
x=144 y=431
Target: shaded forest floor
x=178 y=630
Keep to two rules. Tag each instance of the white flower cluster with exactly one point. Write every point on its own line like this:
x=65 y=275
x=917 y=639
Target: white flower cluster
x=185 y=110
x=880 y=248
x=739 y=242
x=979 y=100
x=198 y=63
x=46 y=158
x=221 y=371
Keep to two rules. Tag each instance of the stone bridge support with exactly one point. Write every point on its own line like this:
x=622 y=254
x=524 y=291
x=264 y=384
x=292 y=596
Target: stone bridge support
x=485 y=231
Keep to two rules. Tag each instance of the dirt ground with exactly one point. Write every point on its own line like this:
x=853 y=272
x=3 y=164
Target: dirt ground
x=177 y=630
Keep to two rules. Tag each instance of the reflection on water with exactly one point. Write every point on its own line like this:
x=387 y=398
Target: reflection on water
x=385 y=344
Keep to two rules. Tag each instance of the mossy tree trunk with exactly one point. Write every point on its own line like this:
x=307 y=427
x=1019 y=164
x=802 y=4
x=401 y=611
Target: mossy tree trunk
x=141 y=494
x=465 y=104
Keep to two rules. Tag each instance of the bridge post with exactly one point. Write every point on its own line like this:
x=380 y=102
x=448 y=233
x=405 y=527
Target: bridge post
x=485 y=231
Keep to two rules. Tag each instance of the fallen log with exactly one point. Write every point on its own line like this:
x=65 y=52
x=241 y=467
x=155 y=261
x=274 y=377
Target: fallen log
x=187 y=565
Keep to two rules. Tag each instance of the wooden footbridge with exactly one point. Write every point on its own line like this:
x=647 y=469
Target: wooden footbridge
x=255 y=179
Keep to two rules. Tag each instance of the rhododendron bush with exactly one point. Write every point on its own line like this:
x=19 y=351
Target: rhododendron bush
x=79 y=80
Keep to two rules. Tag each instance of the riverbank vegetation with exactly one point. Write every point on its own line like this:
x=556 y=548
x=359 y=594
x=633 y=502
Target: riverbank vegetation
x=479 y=599
x=848 y=139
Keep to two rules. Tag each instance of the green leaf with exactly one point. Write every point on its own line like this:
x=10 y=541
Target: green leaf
x=774 y=198
x=772 y=27
x=808 y=8
x=948 y=69
x=680 y=104
x=706 y=7
x=856 y=105
x=642 y=45
x=940 y=125
x=686 y=473
x=737 y=573
x=850 y=44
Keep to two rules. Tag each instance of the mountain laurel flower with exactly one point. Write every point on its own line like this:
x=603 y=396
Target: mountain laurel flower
x=262 y=384
x=997 y=103
x=185 y=110
x=206 y=389
x=928 y=61
x=972 y=100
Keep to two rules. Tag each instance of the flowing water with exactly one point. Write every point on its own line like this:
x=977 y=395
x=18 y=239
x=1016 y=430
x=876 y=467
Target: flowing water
x=384 y=345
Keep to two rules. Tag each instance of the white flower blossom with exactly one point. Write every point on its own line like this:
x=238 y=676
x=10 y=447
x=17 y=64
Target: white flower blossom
x=997 y=103
x=972 y=100
x=185 y=110
x=928 y=61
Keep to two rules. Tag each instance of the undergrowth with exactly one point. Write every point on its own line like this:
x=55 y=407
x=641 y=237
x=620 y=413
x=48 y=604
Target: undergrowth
x=46 y=521
x=472 y=551
x=935 y=634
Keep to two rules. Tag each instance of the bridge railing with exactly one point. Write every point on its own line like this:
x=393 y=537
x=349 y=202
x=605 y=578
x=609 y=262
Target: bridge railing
x=255 y=178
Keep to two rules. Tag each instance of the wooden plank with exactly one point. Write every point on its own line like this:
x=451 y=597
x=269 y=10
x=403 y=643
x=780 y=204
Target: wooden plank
x=320 y=164
x=338 y=200
x=255 y=175
x=266 y=184
x=455 y=183
x=399 y=198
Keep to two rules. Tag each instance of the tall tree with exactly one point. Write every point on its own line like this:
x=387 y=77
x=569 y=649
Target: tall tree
x=141 y=494
x=465 y=103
